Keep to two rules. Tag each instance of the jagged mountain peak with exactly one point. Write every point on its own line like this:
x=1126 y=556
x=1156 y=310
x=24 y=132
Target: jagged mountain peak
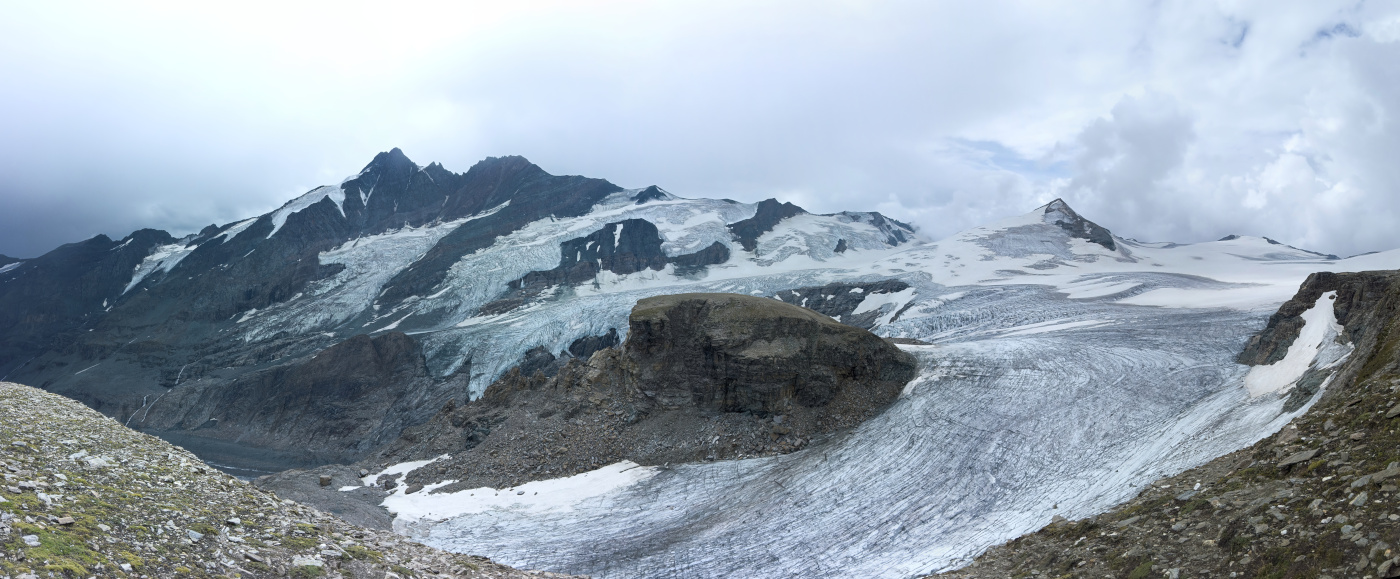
x=652 y=193
x=1059 y=213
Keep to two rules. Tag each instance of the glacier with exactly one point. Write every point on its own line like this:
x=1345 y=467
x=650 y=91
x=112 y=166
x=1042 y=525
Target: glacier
x=1060 y=378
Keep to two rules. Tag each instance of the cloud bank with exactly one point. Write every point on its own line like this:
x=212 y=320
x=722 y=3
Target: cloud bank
x=1181 y=121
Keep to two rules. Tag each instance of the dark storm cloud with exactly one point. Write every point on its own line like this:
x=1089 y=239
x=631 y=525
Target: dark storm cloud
x=1172 y=121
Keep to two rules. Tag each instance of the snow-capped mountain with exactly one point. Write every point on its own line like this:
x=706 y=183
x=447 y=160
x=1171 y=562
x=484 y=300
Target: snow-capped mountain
x=1067 y=364
x=187 y=336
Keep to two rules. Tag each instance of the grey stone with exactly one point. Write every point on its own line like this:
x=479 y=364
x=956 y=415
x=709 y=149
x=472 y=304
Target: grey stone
x=1359 y=500
x=300 y=561
x=1126 y=522
x=194 y=535
x=1186 y=496
x=1390 y=472
x=1394 y=411
x=234 y=521
x=31 y=540
x=325 y=480
x=1298 y=457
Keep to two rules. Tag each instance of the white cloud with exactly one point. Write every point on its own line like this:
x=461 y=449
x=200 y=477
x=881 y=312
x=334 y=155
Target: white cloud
x=1172 y=120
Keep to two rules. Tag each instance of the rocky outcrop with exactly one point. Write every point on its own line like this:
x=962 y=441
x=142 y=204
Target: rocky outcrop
x=735 y=353
x=1355 y=307
x=700 y=377
x=769 y=213
x=840 y=300
x=652 y=193
x=1059 y=213
x=622 y=248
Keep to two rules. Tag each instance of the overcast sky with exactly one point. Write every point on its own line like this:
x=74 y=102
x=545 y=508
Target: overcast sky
x=1163 y=121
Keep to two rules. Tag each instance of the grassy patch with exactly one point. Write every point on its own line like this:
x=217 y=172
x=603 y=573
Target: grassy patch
x=1142 y=570
x=307 y=572
x=298 y=543
x=364 y=554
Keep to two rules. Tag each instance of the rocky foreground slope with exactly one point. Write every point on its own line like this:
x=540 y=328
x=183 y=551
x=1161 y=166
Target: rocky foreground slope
x=84 y=496
x=1319 y=499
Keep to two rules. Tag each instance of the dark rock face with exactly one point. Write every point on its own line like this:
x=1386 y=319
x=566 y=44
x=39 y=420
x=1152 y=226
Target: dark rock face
x=334 y=406
x=895 y=229
x=585 y=347
x=840 y=246
x=690 y=263
x=46 y=300
x=1356 y=292
x=840 y=300
x=541 y=361
x=533 y=195
x=1365 y=305
x=1078 y=226
x=769 y=213
x=738 y=353
x=7 y=260
x=700 y=377
x=652 y=193
x=624 y=247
